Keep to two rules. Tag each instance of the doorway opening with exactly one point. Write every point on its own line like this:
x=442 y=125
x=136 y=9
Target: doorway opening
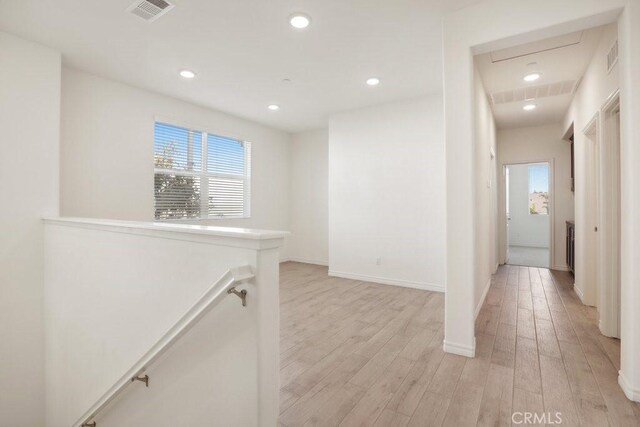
x=528 y=214
x=600 y=279
x=608 y=219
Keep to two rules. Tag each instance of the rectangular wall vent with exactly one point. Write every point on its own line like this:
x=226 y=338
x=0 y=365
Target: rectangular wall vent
x=150 y=10
x=532 y=92
x=612 y=56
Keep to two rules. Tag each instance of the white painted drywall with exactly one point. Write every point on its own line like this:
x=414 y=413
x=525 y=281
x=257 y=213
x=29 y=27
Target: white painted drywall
x=29 y=151
x=104 y=312
x=486 y=195
x=594 y=90
x=386 y=193
x=629 y=74
x=537 y=143
x=524 y=229
x=309 y=197
x=107 y=152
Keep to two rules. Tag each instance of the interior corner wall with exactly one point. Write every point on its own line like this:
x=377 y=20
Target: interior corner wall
x=485 y=193
x=29 y=170
x=386 y=194
x=309 y=197
x=538 y=143
x=596 y=86
x=107 y=152
x=629 y=74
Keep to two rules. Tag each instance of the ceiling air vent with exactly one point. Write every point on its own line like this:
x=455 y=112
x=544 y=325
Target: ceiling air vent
x=612 y=56
x=531 y=92
x=150 y=10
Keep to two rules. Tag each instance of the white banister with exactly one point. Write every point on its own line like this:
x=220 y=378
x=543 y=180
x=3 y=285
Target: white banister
x=211 y=297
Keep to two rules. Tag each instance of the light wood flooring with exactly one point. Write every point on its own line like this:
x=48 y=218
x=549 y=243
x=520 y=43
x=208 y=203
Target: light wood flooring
x=361 y=354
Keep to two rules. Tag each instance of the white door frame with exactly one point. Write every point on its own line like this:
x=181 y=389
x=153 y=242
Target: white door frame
x=609 y=219
x=586 y=274
x=502 y=211
x=601 y=288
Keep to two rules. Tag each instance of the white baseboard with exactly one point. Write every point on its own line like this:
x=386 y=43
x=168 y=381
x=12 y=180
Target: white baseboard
x=305 y=261
x=560 y=268
x=579 y=293
x=459 y=349
x=629 y=391
x=482 y=298
x=388 y=281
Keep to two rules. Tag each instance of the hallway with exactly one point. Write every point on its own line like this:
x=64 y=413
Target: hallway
x=357 y=353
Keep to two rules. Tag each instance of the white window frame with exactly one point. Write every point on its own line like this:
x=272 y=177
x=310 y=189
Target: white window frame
x=203 y=175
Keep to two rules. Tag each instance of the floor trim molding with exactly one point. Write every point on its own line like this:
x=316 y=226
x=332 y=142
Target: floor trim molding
x=387 y=281
x=459 y=349
x=578 y=292
x=629 y=391
x=306 y=261
x=560 y=268
x=482 y=298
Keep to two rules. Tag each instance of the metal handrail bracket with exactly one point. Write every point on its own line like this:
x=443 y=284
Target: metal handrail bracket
x=224 y=286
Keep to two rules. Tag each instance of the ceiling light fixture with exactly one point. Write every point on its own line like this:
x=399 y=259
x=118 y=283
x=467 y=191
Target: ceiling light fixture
x=529 y=107
x=273 y=107
x=299 y=20
x=532 y=77
x=187 y=74
x=373 y=81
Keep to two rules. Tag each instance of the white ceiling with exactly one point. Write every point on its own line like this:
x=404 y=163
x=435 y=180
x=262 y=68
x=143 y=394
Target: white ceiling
x=243 y=49
x=557 y=64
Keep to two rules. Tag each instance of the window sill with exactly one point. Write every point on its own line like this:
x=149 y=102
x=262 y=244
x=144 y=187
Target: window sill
x=212 y=218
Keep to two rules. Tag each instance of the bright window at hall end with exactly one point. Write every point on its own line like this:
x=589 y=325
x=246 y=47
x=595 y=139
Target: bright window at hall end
x=539 y=189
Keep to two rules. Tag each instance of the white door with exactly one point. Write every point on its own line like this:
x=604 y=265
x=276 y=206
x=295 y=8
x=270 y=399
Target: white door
x=508 y=216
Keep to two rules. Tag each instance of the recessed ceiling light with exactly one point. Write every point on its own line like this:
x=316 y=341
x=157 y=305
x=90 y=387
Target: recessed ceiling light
x=299 y=20
x=373 y=81
x=531 y=77
x=187 y=74
x=273 y=107
x=529 y=107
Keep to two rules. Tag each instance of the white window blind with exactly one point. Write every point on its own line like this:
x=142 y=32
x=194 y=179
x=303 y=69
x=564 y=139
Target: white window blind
x=200 y=175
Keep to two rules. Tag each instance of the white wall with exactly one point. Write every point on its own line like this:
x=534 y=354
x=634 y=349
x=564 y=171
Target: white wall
x=629 y=73
x=309 y=241
x=524 y=229
x=486 y=195
x=29 y=151
x=97 y=333
x=386 y=193
x=485 y=192
x=596 y=86
x=107 y=152
x=537 y=143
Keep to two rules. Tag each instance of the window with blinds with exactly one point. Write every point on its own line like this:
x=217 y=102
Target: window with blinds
x=200 y=175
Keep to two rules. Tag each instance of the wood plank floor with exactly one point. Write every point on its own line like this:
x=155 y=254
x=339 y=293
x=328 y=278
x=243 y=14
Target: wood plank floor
x=361 y=354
